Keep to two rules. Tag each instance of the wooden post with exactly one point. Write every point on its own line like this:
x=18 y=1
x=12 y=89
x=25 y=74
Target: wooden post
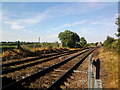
x=19 y=45
x=97 y=65
x=97 y=81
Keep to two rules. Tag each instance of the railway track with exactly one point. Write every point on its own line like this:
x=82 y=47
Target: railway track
x=6 y=64
x=65 y=75
x=51 y=70
x=30 y=62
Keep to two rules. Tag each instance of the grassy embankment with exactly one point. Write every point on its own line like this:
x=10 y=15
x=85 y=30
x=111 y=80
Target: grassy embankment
x=109 y=67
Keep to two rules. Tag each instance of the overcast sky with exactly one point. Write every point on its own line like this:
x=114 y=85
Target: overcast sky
x=26 y=21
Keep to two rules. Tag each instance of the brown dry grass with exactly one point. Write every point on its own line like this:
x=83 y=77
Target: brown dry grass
x=21 y=53
x=109 y=67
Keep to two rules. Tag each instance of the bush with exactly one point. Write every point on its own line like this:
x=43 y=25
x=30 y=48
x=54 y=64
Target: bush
x=112 y=44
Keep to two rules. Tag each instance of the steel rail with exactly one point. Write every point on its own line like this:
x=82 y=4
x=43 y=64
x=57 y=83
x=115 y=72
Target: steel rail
x=36 y=58
x=34 y=63
x=41 y=73
x=60 y=81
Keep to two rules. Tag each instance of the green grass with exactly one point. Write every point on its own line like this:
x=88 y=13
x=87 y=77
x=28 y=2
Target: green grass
x=7 y=46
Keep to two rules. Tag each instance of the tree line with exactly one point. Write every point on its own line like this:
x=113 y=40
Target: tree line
x=68 y=39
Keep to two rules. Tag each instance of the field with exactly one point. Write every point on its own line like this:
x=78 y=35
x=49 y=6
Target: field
x=28 y=45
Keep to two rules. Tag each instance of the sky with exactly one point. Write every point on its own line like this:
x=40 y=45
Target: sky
x=27 y=21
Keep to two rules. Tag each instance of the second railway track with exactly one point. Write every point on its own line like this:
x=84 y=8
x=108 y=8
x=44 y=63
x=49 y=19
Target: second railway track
x=10 y=67
x=19 y=61
x=48 y=71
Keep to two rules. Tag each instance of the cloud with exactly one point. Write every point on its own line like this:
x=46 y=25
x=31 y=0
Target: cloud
x=36 y=19
x=55 y=11
x=77 y=23
x=24 y=23
x=96 y=22
x=85 y=31
x=28 y=31
x=75 y=8
x=14 y=25
x=104 y=22
x=68 y=25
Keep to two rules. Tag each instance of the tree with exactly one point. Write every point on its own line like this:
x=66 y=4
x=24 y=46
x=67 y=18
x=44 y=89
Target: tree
x=108 y=41
x=118 y=23
x=83 y=41
x=118 y=34
x=69 y=38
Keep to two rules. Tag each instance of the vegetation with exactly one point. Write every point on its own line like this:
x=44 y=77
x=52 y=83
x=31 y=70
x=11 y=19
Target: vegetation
x=83 y=42
x=69 y=39
x=42 y=45
x=91 y=44
x=111 y=43
x=110 y=54
x=109 y=67
x=112 y=49
x=28 y=45
x=108 y=42
x=118 y=30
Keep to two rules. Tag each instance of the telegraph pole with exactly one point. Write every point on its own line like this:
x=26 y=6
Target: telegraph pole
x=39 y=39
